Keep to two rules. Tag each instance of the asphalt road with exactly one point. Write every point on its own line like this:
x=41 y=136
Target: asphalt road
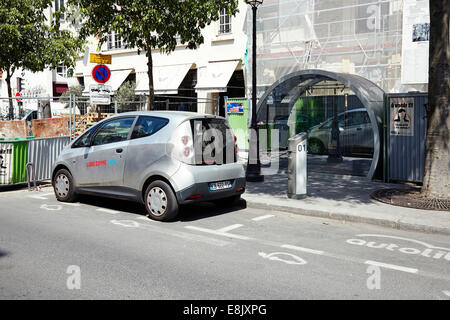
x=107 y=249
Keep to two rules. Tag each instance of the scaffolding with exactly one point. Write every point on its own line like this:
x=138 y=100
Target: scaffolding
x=362 y=37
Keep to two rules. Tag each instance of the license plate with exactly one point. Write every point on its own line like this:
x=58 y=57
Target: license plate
x=222 y=185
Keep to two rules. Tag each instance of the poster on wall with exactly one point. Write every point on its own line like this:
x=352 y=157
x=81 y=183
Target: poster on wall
x=235 y=107
x=6 y=162
x=415 y=41
x=402 y=116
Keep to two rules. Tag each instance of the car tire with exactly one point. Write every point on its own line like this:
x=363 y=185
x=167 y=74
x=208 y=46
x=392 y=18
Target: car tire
x=63 y=186
x=160 y=201
x=228 y=202
x=316 y=147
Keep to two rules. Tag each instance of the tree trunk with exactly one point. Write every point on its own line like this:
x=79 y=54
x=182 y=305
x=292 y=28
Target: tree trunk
x=436 y=182
x=151 y=91
x=8 y=85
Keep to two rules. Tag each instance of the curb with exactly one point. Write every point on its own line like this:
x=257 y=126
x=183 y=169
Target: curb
x=394 y=224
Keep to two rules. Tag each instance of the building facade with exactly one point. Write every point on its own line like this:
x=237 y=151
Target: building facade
x=385 y=41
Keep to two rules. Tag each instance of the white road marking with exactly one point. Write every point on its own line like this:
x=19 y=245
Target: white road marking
x=126 y=223
x=267 y=216
x=216 y=232
x=392 y=266
x=288 y=246
x=229 y=228
x=51 y=207
x=275 y=256
x=401 y=238
x=41 y=196
x=145 y=218
x=447 y=293
x=107 y=210
x=165 y=231
x=71 y=204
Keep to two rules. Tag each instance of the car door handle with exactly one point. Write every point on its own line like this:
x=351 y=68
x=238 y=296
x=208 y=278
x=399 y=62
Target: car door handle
x=119 y=150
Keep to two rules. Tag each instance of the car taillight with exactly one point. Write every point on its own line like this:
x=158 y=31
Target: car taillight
x=181 y=145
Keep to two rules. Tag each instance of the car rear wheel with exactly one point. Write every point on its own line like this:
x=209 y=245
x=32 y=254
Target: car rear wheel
x=316 y=147
x=160 y=201
x=63 y=186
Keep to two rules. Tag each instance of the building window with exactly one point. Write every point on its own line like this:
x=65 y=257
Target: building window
x=59 y=5
x=114 y=41
x=61 y=70
x=224 y=22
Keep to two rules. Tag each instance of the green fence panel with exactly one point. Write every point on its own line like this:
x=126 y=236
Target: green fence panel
x=239 y=123
x=20 y=154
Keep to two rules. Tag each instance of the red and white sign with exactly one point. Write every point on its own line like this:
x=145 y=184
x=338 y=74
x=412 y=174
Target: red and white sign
x=18 y=95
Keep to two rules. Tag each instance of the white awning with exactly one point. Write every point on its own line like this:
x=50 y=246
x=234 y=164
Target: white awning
x=116 y=79
x=166 y=79
x=215 y=76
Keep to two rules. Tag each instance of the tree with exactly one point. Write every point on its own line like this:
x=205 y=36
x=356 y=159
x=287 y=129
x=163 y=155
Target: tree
x=152 y=24
x=31 y=42
x=76 y=91
x=436 y=183
x=125 y=97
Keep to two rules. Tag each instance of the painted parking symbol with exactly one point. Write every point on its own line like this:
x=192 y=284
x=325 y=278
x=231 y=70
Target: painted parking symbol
x=126 y=223
x=51 y=207
x=285 y=257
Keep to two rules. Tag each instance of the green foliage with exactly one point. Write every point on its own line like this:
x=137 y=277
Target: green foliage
x=146 y=24
x=75 y=90
x=126 y=97
x=151 y=24
x=32 y=41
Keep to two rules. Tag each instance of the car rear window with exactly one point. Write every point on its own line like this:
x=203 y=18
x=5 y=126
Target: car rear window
x=213 y=141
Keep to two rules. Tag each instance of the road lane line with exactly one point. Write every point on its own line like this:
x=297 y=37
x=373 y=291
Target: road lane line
x=229 y=228
x=447 y=293
x=391 y=266
x=267 y=216
x=169 y=232
x=107 y=210
x=218 y=233
x=288 y=246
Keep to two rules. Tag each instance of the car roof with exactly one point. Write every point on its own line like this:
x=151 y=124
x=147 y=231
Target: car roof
x=176 y=116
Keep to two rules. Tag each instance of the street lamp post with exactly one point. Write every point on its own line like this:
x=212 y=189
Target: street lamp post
x=254 y=165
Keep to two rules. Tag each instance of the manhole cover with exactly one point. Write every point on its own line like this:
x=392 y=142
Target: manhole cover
x=410 y=198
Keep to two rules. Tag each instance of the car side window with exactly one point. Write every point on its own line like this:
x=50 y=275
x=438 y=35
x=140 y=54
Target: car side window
x=356 y=118
x=84 y=140
x=113 y=131
x=146 y=126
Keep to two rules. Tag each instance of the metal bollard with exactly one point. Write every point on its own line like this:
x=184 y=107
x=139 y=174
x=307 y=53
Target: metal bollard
x=297 y=164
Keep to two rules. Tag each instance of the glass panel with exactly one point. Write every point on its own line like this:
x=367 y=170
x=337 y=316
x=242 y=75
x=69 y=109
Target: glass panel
x=114 y=131
x=146 y=126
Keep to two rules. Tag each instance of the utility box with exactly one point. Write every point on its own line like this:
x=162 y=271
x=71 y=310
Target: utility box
x=297 y=174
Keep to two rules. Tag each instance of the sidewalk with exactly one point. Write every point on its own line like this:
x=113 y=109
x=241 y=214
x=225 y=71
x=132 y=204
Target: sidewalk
x=343 y=197
x=339 y=192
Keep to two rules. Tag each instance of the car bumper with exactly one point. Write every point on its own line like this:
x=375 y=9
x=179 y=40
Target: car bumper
x=201 y=192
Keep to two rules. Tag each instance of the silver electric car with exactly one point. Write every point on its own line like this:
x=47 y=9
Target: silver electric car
x=160 y=158
x=355 y=132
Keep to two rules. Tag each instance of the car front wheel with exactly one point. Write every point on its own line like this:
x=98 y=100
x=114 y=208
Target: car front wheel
x=63 y=186
x=160 y=201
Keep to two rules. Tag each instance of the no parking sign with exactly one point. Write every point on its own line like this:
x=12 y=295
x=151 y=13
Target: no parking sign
x=101 y=73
